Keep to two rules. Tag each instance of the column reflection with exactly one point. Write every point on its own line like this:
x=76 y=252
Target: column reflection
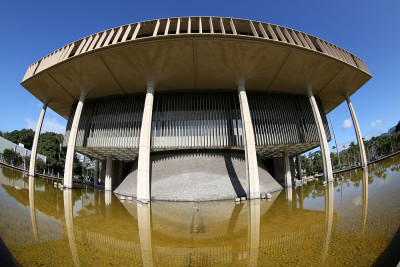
x=365 y=199
x=69 y=224
x=253 y=230
x=144 y=224
x=329 y=191
x=32 y=207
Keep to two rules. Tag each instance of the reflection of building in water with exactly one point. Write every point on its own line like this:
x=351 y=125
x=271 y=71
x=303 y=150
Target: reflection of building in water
x=181 y=234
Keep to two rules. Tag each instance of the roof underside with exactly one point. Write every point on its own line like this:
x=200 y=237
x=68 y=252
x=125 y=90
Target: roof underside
x=195 y=62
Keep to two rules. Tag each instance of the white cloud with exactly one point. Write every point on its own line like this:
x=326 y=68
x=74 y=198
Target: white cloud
x=377 y=123
x=347 y=124
x=49 y=125
x=30 y=124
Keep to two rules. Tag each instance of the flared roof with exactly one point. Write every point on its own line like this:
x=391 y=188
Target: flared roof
x=195 y=53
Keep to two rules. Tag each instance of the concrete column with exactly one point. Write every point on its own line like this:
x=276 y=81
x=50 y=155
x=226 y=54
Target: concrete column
x=36 y=139
x=334 y=136
x=360 y=141
x=108 y=178
x=326 y=157
x=143 y=173
x=96 y=173
x=103 y=170
x=286 y=172
x=299 y=170
x=69 y=159
x=249 y=146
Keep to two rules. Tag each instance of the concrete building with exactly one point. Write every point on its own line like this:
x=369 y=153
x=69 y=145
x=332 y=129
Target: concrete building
x=5 y=144
x=197 y=108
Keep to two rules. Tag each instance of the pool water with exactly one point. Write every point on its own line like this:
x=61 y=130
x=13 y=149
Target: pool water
x=353 y=221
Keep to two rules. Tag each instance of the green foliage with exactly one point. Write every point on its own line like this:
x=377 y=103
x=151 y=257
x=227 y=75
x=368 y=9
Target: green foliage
x=49 y=146
x=24 y=136
x=40 y=165
x=397 y=127
x=11 y=157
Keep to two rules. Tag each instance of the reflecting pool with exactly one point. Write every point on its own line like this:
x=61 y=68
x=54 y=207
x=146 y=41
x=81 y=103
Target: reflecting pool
x=349 y=222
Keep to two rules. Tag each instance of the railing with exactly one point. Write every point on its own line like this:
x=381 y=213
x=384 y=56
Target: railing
x=194 y=25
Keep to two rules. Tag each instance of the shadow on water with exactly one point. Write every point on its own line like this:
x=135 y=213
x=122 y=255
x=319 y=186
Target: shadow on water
x=390 y=256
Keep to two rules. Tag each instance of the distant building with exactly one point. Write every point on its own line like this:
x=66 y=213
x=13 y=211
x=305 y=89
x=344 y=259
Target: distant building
x=19 y=148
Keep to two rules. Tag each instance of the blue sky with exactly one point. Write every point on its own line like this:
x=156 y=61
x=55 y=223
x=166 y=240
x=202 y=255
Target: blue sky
x=369 y=29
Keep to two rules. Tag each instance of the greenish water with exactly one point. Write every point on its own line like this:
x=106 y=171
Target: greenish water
x=350 y=222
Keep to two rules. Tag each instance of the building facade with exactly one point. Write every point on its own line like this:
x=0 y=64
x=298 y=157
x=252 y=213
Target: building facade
x=197 y=108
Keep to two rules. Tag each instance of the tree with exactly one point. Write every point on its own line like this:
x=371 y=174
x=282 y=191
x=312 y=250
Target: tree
x=397 y=127
x=12 y=157
x=49 y=146
x=40 y=165
x=24 y=136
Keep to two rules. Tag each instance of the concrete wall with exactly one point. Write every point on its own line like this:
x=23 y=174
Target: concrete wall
x=195 y=176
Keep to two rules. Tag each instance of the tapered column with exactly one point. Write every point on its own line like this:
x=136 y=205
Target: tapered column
x=249 y=146
x=286 y=166
x=36 y=139
x=108 y=178
x=334 y=136
x=143 y=174
x=363 y=156
x=326 y=157
x=69 y=159
x=96 y=172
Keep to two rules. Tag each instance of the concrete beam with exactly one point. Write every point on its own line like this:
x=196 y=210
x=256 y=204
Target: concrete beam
x=363 y=156
x=108 y=178
x=249 y=145
x=143 y=174
x=326 y=157
x=69 y=159
x=36 y=140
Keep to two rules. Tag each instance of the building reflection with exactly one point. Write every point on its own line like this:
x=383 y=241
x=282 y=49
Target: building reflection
x=250 y=233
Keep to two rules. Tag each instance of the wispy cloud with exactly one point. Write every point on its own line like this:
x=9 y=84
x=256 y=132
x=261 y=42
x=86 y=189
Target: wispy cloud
x=49 y=125
x=347 y=124
x=377 y=123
